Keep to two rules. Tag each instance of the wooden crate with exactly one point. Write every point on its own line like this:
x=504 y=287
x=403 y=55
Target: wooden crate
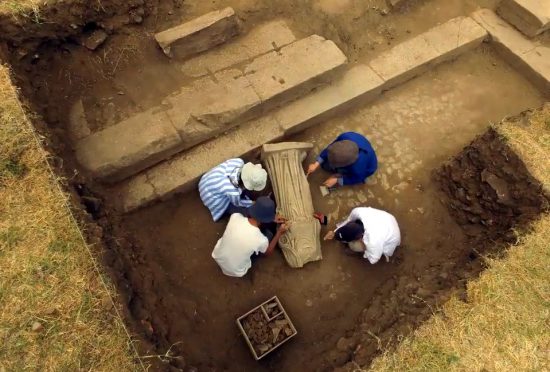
x=271 y=310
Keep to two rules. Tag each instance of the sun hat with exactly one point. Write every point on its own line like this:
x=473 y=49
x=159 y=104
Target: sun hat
x=254 y=177
x=349 y=232
x=342 y=153
x=263 y=210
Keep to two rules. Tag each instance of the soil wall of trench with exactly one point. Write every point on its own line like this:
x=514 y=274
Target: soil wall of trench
x=487 y=189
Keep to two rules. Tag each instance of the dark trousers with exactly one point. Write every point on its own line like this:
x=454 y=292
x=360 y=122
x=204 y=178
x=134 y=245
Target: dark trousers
x=232 y=209
x=269 y=230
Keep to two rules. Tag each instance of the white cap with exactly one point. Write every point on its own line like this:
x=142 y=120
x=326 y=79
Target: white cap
x=254 y=177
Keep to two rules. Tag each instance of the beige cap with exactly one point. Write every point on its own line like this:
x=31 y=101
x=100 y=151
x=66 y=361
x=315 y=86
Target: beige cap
x=254 y=177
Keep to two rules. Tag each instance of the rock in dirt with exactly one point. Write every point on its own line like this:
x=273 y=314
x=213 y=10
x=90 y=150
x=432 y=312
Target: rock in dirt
x=95 y=39
x=37 y=327
x=498 y=184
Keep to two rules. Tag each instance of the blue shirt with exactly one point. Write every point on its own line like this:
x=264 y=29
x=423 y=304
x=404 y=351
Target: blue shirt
x=219 y=187
x=365 y=165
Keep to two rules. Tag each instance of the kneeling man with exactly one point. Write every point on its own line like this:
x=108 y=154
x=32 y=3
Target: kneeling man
x=244 y=237
x=369 y=231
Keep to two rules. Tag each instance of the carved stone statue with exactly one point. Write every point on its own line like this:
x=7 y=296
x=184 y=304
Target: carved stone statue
x=301 y=243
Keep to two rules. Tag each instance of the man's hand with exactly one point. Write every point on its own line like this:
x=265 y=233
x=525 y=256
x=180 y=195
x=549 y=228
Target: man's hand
x=331 y=181
x=280 y=219
x=329 y=236
x=283 y=228
x=312 y=168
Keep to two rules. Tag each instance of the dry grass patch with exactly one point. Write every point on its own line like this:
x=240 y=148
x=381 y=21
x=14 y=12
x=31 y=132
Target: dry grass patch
x=504 y=326
x=530 y=139
x=26 y=8
x=55 y=311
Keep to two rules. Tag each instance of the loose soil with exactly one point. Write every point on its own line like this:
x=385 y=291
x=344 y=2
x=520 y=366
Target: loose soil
x=507 y=197
x=160 y=256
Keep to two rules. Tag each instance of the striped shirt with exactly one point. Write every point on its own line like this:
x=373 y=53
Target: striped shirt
x=217 y=188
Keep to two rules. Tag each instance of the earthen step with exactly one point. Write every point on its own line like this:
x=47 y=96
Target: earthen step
x=208 y=107
x=359 y=84
x=531 y=59
x=532 y=17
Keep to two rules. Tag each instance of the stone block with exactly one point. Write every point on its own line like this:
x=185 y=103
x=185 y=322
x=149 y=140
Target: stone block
x=360 y=83
x=212 y=107
x=455 y=37
x=404 y=61
x=200 y=34
x=419 y=54
x=124 y=149
x=260 y=40
x=140 y=193
x=532 y=17
x=294 y=69
x=183 y=171
x=501 y=32
x=529 y=58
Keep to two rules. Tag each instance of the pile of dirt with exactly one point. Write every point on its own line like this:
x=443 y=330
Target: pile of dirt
x=490 y=192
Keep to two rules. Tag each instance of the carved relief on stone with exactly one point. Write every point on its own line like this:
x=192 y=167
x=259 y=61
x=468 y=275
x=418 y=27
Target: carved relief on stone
x=302 y=243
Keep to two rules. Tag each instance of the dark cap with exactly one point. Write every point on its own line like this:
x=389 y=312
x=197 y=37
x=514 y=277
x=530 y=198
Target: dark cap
x=263 y=210
x=349 y=232
x=342 y=153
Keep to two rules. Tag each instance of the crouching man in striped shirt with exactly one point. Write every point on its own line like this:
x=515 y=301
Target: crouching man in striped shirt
x=222 y=189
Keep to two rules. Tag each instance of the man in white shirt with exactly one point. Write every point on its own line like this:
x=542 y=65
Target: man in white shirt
x=369 y=231
x=243 y=238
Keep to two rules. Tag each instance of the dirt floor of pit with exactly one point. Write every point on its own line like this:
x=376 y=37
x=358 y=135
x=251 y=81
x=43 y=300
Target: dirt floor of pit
x=414 y=128
x=177 y=293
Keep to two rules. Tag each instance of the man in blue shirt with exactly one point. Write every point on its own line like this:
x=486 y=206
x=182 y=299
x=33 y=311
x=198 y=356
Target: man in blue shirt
x=350 y=159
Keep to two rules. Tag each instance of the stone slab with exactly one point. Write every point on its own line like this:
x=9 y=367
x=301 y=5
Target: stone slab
x=528 y=57
x=532 y=17
x=294 y=69
x=260 y=40
x=419 y=54
x=211 y=107
x=359 y=83
x=128 y=147
x=200 y=34
x=455 y=37
x=183 y=171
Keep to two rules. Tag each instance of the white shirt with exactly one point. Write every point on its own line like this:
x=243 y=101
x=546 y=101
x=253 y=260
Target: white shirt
x=381 y=235
x=239 y=241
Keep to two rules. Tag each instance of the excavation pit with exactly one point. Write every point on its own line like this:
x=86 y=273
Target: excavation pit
x=159 y=256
